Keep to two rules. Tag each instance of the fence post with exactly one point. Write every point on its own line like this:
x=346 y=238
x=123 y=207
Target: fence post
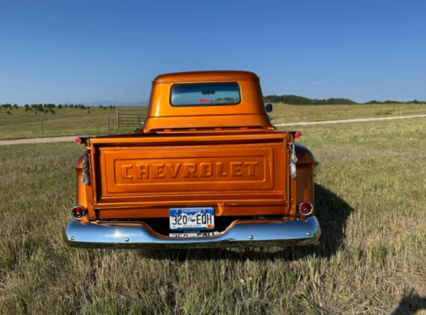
x=118 y=116
x=108 y=124
x=139 y=119
x=42 y=129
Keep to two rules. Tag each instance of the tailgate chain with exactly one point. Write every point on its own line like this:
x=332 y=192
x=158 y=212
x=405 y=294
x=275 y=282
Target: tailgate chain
x=293 y=159
x=85 y=179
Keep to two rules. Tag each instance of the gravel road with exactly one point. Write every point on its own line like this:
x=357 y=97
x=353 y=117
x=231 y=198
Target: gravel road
x=304 y=123
x=326 y=122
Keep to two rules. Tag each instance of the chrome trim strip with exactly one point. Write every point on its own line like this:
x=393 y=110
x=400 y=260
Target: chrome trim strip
x=281 y=233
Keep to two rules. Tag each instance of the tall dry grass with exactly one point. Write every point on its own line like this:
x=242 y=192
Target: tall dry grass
x=370 y=199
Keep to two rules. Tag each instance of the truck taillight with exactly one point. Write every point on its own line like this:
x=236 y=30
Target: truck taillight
x=306 y=208
x=78 y=212
x=297 y=134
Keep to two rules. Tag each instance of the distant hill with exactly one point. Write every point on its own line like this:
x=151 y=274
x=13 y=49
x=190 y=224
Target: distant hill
x=286 y=99
x=300 y=100
x=112 y=103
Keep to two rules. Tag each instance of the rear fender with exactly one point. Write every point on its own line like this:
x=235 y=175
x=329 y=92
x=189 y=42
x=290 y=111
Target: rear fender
x=305 y=175
x=81 y=198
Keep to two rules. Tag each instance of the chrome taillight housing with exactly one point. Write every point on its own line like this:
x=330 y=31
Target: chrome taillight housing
x=78 y=212
x=306 y=208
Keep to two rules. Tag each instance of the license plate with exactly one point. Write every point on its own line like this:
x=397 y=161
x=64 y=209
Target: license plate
x=188 y=219
x=194 y=234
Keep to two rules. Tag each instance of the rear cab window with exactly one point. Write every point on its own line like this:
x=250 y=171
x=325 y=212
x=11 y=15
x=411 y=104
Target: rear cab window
x=205 y=94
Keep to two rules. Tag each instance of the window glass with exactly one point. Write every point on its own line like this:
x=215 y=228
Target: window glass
x=205 y=94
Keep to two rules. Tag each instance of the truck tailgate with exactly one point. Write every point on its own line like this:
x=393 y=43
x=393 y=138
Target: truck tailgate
x=147 y=172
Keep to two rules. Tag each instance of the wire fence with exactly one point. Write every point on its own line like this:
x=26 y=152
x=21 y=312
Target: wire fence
x=129 y=120
x=26 y=124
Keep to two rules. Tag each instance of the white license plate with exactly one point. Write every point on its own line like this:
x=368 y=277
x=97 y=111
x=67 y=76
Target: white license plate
x=188 y=219
x=193 y=234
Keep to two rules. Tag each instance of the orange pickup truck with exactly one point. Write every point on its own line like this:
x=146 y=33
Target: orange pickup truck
x=208 y=169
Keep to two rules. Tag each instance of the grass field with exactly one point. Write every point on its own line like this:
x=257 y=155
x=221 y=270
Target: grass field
x=65 y=121
x=74 y=121
x=284 y=113
x=370 y=199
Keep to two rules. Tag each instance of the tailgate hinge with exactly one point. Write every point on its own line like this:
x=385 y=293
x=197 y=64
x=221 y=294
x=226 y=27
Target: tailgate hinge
x=293 y=159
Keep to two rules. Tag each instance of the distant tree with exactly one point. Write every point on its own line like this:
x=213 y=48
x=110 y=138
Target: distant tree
x=46 y=111
x=15 y=105
x=59 y=106
x=88 y=111
x=300 y=100
x=8 y=112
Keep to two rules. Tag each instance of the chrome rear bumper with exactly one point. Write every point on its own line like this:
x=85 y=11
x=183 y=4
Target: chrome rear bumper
x=278 y=233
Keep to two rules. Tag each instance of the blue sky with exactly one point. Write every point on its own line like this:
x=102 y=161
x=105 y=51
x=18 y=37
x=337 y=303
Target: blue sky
x=84 y=51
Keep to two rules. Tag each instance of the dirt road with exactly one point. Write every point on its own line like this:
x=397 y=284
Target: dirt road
x=38 y=140
x=303 y=123
x=325 y=122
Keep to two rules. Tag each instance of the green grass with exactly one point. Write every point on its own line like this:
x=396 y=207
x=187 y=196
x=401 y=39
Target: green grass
x=75 y=121
x=370 y=197
x=283 y=113
x=65 y=121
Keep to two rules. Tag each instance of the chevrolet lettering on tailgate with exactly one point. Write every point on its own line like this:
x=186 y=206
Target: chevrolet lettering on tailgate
x=134 y=170
x=208 y=169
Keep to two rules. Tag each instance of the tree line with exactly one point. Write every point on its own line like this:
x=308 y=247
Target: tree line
x=300 y=100
x=48 y=108
x=51 y=105
x=395 y=102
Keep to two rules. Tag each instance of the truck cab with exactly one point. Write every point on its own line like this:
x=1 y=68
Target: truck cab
x=207 y=169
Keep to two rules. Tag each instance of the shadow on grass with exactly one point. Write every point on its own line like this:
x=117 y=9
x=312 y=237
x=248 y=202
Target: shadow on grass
x=332 y=213
x=410 y=304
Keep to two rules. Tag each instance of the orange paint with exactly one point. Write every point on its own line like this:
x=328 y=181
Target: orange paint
x=229 y=157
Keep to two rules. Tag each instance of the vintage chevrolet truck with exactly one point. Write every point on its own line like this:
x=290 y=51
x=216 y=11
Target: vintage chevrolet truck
x=208 y=169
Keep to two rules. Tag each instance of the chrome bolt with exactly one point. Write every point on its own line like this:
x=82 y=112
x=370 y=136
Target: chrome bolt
x=127 y=239
x=72 y=238
x=251 y=237
x=309 y=233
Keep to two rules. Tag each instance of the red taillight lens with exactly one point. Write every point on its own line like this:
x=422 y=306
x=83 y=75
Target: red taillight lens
x=77 y=140
x=297 y=134
x=306 y=208
x=78 y=212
